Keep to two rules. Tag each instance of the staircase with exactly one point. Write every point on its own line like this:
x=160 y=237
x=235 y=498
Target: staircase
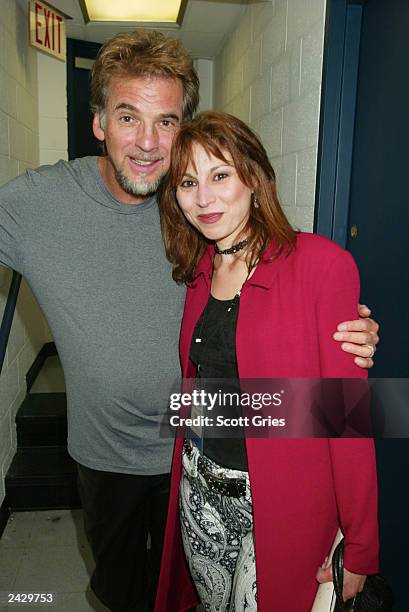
x=42 y=475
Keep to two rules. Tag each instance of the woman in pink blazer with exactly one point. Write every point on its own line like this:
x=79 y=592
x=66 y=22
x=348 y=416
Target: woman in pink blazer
x=251 y=520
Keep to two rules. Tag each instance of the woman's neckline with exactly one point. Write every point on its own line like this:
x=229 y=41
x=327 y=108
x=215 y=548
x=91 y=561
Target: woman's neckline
x=215 y=299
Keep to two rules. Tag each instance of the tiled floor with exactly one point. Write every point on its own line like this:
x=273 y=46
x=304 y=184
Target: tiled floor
x=47 y=552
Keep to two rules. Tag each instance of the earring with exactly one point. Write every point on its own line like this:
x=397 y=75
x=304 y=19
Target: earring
x=255 y=201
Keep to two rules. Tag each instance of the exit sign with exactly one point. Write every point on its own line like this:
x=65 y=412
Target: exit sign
x=47 y=29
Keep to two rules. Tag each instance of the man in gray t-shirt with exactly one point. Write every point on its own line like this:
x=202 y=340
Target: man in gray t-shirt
x=86 y=235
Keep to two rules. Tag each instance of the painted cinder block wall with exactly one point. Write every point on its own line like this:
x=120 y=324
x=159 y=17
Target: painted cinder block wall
x=269 y=74
x=52 y=109
x=18 y=151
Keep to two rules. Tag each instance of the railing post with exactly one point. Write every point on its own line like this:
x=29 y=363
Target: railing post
x=8 y=315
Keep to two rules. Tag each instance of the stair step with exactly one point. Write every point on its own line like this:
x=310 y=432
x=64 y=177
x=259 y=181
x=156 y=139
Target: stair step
x=42 y=478
x=42 y=420
x=41 y=462
x=43 y=405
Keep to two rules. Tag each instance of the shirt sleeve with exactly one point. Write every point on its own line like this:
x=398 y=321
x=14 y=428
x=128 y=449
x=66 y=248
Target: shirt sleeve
x=353 y=460
x=15 y=199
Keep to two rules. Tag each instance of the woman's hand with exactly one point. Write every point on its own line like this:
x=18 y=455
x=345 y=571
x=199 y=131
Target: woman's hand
x=353 y=583
x=359 y=337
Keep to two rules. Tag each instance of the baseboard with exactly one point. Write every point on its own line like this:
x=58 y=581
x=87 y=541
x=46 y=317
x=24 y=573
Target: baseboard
x=4 y=517
x=47 y=350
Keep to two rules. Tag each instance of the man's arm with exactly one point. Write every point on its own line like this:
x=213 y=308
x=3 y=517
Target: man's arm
x=359 y=337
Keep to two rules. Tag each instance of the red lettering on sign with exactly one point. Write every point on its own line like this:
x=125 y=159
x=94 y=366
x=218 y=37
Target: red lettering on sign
x=59 y=19
x=38 y=7
x=48 y=28
x=47 y=33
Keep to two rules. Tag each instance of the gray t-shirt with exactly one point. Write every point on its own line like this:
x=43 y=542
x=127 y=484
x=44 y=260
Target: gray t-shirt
x=98 y=269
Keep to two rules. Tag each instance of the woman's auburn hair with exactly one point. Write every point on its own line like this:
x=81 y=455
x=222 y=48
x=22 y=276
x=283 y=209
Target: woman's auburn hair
x=218 y=134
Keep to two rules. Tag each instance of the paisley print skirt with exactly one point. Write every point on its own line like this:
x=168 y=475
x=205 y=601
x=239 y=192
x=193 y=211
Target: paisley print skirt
x=217 y=533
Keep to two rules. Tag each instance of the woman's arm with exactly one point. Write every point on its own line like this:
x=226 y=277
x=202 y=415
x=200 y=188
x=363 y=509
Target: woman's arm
x=353 y=460
x=353 y=583
x=336 y=301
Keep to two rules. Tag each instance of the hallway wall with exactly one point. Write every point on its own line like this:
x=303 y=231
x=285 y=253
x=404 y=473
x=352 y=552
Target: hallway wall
x=269 y=74
x=18 y=151
x=52 y=109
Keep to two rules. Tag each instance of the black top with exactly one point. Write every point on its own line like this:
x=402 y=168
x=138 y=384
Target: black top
x=215 y=357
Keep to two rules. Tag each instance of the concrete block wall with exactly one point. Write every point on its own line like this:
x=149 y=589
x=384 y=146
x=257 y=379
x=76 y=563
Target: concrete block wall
x=52 y=109
x=204 y=68
x=269 y=74
x=18 y=151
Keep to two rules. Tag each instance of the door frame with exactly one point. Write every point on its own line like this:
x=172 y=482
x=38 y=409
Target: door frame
x=342 y=39
x=75 y=48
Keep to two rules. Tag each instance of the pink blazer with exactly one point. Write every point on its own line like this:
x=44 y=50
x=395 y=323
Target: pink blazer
x=302 y=488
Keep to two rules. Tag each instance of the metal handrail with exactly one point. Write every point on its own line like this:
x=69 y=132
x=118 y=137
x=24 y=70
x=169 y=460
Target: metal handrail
x=8 y=315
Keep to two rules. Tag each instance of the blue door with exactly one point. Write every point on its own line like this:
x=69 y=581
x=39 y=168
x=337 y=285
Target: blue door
x=363 y=203
x=379 y=198
x=80 y=57
x=378 y=239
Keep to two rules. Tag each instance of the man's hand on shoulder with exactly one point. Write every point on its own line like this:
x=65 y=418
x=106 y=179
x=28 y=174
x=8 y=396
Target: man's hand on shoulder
x=359 y=337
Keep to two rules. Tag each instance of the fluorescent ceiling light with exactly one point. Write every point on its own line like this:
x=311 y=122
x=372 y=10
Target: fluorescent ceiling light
x=145 y=11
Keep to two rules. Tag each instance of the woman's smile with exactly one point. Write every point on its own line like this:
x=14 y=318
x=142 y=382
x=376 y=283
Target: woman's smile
x=210 y=217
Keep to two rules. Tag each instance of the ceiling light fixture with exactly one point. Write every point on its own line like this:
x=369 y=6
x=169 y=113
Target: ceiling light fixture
x=135 y=11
